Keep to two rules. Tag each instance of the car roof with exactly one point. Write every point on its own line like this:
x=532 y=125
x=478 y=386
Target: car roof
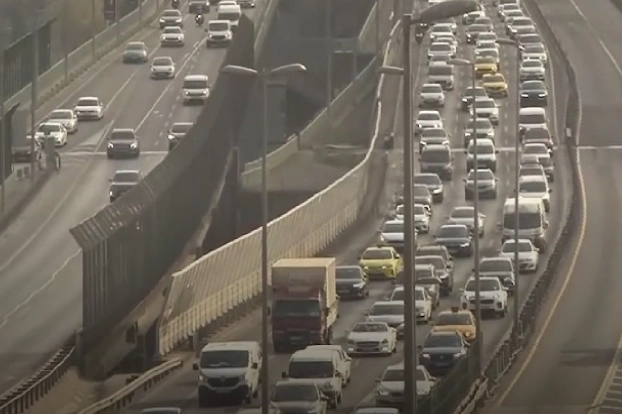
x=127 y=172
x=313 y=355
x=447 y=333
x=299 y=381
x=435 y=147
x=453 y=225
x=196 y=77
x=388 y=302
x=484 y=142
x=394 y=222
x=434 y=85
x=533 y=178
x=376 y=410
x=158 y=410
x=88 y=97
x=219 y=21
x=495 y=258
x=389 y=248
x=431 y=112
x=123 y=130
x=234 y=345
x=459 y=208
x=511 y=241
x=534 y=144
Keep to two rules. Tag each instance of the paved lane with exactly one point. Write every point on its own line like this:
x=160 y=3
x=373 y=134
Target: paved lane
x=40 y=265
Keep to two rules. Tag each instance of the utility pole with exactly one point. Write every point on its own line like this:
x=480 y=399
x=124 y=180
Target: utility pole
x=3 y=140
x=329 y=61
x=34 y=93
x=65 y=38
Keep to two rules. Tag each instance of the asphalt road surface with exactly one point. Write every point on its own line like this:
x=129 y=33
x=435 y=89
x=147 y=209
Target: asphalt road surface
x=40 y=263
x=180 y=389
x=579 y=336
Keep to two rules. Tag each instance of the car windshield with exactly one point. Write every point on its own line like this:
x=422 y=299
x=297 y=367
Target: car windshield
x=486 y=44
x=387 y=309
x=498 y=78
x=346 y=273
x=533 y=49
x=475 y=92
x=162 y=61
x=181 y=128
x=49 y=128
x=295 y=308
x=170 y=29
x=294 y=392
x=393 y=228
x=122 y=134
x=485 y=103
x=434 y=133
x=171 y=13
x=462 y=213
x=435 y=155
x=442 y=341
x=61 y=114
x=436 y=261
x=508 y=7
x=508 y=247
x=440 y=70
x=535 y=149
x=224 y=359
x=480 y=123
x=452 y=231
x=532 y=63
x=418 y=210
x=486 y=285
x=231 y=16
x=495 y=265
x=532 y=187
x=377 y=254
x=393 y=375
x=421 y=190
x=218 y=26
x=537 y=133
x=370 y=327
x=441 y=29
x=481 y=149
x=490 y=52
x=88 y=102
x=531 y=171
x=531 y=119
x=485 y=175
x=431 y=89
x=398 y=294
x=126 y=177
x=311 y=369
x=135 y=46
x=522 y=21
x=427 y=179
x=440 y=47
x=419 y=295
x=445 y=319
x=532 y=86
x=428 y=116
x=484 y=59
x=526 y=220
x=195 y=84
x=477 y=28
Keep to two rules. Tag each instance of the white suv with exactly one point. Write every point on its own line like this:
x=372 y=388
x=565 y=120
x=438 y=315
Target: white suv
x=493 y=296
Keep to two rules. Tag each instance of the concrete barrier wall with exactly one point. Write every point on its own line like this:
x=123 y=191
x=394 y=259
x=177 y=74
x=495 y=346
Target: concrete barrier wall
x=228 y=277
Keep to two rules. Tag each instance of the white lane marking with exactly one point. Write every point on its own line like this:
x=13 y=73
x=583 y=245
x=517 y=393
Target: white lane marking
x=80 y=154
x=34 y=293
x=178 y=71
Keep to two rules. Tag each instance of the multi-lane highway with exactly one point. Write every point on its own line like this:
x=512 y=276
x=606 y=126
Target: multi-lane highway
x=40 y=264
x=573 y=362
x=180 y=389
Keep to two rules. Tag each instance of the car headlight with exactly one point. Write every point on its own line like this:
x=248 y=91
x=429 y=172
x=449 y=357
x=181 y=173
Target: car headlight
x=524 y=95
x=110 y=145
x=178 y=20
x=457 y=355
x=328 y=386
x=384 y=267
x=382 y=392
x=385 y=342
x=171 y=137
x=541 y=95
x=110 y=193
x=467 y=334
x=426 y=356
x=162 y=20
x=359 y=285
x=162 y=38
x=133 y=145
x=464 y=245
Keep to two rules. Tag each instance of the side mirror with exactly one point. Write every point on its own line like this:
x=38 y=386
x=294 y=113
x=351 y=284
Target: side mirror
x=324 y=398
x=550 y=190
x=496 y=151
x=431 y=323
x=496 y=179
x=284 y=375
x=195 y=366
x=255 y=365
x=377 y=380
x=545 y=225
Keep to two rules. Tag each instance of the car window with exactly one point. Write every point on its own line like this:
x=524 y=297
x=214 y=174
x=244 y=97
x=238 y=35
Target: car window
x=377 y=254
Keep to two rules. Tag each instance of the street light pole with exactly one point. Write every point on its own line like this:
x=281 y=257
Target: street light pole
x=378 y=48
x=329 y=61
x=65 y=39
x=3 y=140
x=33 y=94
x=516 y=313
x=263 y=77
x=93 y=30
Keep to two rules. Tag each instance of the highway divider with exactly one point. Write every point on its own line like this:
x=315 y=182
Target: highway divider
x=517 y=337
x=228 y=278
x=134 y=390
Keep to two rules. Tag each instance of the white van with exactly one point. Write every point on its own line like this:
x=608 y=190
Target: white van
x=533 y=117
x=320 y=366
x=532 y=220
x=231 y=12
x=195 y=89
x=228 y=369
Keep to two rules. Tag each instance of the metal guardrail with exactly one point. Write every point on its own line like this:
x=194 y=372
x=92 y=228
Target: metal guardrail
x=517 y=337
x=21 y=397
x=214 y=286
x=128 y=394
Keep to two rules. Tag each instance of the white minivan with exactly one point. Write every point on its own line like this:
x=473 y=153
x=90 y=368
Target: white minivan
x=531 y=218
x=532 y=117
x=319 y=366
x=231 y=12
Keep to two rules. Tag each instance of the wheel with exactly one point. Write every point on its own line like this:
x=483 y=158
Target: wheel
x=256 y=392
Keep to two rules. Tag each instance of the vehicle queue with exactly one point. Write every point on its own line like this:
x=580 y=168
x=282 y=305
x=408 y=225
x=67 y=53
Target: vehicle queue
x=318 y=373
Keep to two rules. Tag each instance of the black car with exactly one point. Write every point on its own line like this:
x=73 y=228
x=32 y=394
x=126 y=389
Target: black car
x=122 y=182
x=171 y=17
x=177 y=132
x=457 y=238
x=136 y=52
x=123 y=143
x=351 y=282
x=467 y=97
x=442 y=350
x=534 y=93
x=443 y=270
x=198 y=7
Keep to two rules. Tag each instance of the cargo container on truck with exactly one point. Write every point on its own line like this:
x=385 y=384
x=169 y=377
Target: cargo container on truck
x=304 y=304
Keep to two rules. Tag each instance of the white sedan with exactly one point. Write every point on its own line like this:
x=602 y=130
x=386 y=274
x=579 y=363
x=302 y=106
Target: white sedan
x=172 y=36
x=89 y=107
x=53 y=130
x=370 y=338
x=528 y=254
x=67 y=118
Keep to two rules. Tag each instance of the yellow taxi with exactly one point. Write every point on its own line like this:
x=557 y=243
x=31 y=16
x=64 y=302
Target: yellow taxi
x=456 y=319
x=381 y=262
x=485 y=65
x=495 y=85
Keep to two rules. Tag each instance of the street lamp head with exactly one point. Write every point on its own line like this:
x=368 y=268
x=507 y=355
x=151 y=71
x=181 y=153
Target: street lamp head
x=287 y=69
x=239 y=70
x=460 y=62
x=445 y=10
x=391 y=70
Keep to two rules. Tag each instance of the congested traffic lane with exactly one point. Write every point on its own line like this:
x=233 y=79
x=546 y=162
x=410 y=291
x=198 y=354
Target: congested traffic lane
x=40 y=277
x=180 y=390
x=565 y=369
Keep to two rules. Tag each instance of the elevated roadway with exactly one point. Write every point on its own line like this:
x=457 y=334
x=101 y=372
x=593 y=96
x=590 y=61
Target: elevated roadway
x=572 y=365
x=40 y=264
x=180 y=389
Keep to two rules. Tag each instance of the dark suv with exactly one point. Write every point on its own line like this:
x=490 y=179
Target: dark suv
x=123 y=143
